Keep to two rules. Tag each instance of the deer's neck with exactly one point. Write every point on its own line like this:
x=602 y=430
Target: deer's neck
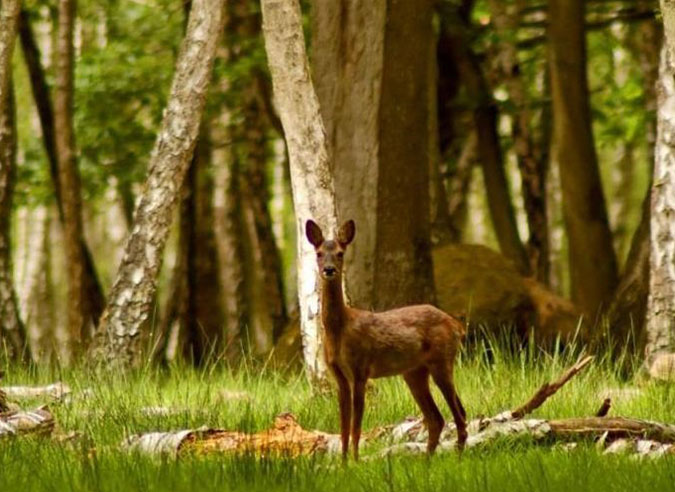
x=333 y=308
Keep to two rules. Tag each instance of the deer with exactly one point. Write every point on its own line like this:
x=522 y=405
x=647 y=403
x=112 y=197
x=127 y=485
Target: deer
x=415 y=341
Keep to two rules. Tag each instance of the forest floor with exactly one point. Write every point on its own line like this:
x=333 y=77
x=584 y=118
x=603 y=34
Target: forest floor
x=111 y=408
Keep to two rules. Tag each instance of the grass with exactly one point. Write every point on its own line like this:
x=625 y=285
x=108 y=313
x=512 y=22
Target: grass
x=113 y=411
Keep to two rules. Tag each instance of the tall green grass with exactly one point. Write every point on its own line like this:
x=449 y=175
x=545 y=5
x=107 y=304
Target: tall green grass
x=486 y=384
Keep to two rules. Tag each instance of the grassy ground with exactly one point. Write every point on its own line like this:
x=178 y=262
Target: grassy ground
x=113 y=412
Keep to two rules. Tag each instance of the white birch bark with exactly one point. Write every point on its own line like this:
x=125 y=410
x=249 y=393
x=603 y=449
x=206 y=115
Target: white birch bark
x=311 y=179
x=133 y=291
x=660 y=349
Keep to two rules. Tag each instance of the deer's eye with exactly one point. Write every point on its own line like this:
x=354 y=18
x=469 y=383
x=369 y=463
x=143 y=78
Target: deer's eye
x=340 y=254
x=319 y=255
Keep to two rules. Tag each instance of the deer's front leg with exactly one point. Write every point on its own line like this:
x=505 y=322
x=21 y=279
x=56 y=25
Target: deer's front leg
x=345 y=400
x=359 y=403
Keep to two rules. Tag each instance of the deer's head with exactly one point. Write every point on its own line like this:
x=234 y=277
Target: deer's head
x=330 y=252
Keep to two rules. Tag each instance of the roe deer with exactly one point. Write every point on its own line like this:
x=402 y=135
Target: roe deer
x=414 y=341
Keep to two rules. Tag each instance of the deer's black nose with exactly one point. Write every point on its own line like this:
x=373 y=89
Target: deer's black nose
x=330 y=271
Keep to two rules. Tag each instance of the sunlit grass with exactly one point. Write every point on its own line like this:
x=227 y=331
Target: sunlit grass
x=487 y=385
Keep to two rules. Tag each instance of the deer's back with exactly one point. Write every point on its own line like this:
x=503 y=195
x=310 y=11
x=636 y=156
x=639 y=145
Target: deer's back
x=395 y=341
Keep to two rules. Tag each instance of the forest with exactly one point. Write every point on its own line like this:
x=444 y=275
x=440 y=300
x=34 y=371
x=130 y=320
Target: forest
x=183 y=181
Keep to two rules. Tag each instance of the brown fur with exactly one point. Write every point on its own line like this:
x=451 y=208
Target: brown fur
x=414 y=341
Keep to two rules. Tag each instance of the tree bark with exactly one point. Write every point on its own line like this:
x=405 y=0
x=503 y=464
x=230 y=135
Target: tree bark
x=12 y=330
x=43 y=103
x=130 y=302
x=311 y=179
x=532 y=170
x=69 y=177
x=378 y=131
x=593 y=267
x=454 y=41
x=661 y=303
x=403 y=267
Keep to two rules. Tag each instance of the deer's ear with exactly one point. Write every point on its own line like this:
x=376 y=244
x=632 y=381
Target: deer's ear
x=346 y=233
x=314 y=234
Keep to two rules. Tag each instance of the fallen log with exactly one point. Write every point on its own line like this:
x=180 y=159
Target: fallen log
x=285 y=438
x=54 y=391
x=22 y=422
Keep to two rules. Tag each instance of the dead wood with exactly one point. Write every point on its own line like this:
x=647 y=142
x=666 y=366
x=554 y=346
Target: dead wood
x=614 y=427
x=549 y=389
x=38 y=422
x=55 y=391
x=604 y=408
x=285 y=438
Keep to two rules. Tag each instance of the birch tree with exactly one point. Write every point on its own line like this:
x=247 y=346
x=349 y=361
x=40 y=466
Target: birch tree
x=311 y=180
x=660 y=350
x=11 y=327
x=130 y=301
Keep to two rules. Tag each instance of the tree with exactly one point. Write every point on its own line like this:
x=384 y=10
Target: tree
x=43 y=102
x=454 y=44
x=11 y=327
x=660 y=350
x=593 y=266
x=130 y=300
x=313 y=191
x=69 y=177
x=377 y=125
x=532 y=169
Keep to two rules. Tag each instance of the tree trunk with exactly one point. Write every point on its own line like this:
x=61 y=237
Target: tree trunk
x=311 y=179
x=593 y=268
x=532 y=171
x=43 y=103
x=256 y=181
x=130 y=302
x=204 y=328
x=378 y=130
x=403 y=267
x=229 y=234
x=455 y=42
x=661 y=303
x=11 y=327
x=36 y=303
x=69 y=177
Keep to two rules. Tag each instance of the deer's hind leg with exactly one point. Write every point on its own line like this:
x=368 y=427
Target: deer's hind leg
x=418 y=382
x=442 y=374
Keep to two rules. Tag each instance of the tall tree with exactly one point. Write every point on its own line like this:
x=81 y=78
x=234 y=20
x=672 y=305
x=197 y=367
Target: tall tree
x=377 y=123
x=660 y=350
x=455 y=44
x=43 y=102
x=69 y=175
x=311 y=179
x=11 y=326
x=532 y=168
x=593 y=266
x=130 y=301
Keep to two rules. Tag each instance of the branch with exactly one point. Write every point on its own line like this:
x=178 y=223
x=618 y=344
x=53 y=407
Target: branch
x=549 y=389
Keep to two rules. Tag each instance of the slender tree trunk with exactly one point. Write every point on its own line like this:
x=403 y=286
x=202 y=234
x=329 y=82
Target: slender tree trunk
x=11 y=327
x=204 y=314
x=531 y=169
x=43 y=103
x=454 y=41
x=69 y=176
x=36 y=302
x=593 y=267
x=625 y=315
x=130 y=302
x=256 y=180
x=660 y=350
x=313 y=191
x=229 y=234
